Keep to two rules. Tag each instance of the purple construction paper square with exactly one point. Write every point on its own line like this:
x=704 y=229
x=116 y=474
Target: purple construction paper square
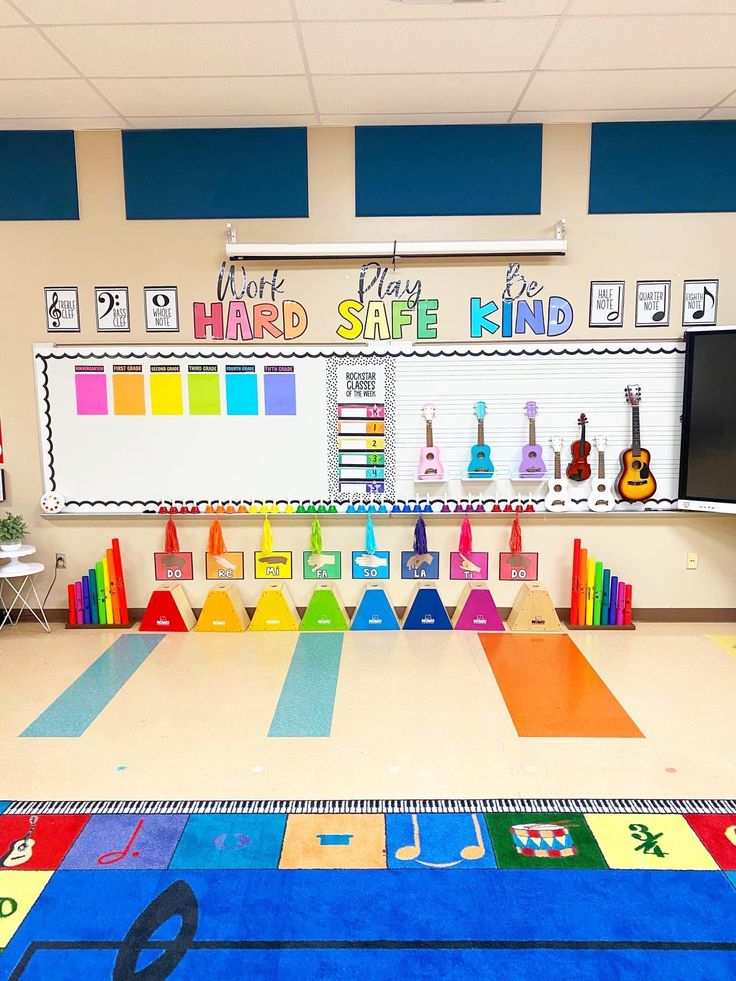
x=150 y=840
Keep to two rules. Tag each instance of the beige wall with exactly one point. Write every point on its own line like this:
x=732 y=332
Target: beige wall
x=102 y=247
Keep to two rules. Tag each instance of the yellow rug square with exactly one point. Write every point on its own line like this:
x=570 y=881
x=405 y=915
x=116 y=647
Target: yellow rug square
x=18 y=892
x=649 y=841
x=334 y=841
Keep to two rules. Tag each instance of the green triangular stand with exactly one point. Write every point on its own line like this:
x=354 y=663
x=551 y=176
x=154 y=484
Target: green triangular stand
x=325 y=610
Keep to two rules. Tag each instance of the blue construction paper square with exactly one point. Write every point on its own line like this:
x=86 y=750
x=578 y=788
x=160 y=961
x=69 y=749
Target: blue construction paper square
x=438 y=841
x=369 y=573
x=428 y=570
x=230 y=841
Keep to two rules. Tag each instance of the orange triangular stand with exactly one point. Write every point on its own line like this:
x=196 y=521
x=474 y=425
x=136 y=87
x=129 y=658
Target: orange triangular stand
x=325 y=610
x=275 y=610
x=223 y=611
x=168 y=610
x=534 y=611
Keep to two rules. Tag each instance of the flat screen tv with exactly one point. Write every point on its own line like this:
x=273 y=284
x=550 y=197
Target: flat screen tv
x=708 y=448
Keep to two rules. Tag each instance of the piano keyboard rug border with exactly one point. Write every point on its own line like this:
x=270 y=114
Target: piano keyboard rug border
x=491 y=805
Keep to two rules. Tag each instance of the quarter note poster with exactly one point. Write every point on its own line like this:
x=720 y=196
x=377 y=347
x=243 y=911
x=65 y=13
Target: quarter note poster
x=699 y=302
x=606 y=304
x=111 y=307
x=653 y=303
x=62 y=309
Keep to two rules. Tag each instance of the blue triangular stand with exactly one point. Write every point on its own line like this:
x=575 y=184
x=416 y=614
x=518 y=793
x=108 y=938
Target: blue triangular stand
x=426 y=611
x=374 y=612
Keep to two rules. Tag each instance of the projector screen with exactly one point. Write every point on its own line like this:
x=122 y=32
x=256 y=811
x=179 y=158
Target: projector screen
x=708 y=446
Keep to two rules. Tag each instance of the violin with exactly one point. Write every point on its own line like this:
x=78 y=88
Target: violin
x=578 y=468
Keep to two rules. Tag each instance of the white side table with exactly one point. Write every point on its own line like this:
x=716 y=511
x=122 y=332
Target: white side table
x=18 y=586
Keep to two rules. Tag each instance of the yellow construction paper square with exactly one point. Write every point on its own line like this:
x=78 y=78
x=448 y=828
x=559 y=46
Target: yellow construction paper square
x=18 y=892
x=273 y=565
x=334 y=841
x=629 y=841
x=726 y=641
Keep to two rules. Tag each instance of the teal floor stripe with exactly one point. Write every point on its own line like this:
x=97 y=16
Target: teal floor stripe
x=78 y=707
x=308 y=697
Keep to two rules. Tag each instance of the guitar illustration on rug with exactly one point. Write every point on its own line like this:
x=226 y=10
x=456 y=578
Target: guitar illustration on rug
x=480 y=464
x=532 y=465
x=556 y=498
x=430 y=462
x=636 y=482
x=600 y=498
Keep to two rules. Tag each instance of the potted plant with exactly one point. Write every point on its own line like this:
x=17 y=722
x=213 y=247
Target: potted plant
x=12 y=530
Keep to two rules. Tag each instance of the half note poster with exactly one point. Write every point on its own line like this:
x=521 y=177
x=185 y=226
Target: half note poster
x=62 y=309
x=606 y=304
x=111 y=307
x=699 y=302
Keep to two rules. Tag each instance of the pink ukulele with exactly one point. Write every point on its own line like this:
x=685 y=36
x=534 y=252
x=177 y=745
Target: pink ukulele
x=430 y=464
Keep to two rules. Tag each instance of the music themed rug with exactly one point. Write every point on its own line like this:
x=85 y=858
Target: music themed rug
x=347 y=889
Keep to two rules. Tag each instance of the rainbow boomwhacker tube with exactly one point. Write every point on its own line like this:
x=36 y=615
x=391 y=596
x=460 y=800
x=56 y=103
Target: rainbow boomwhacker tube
x=597 y=597
x=98 y=598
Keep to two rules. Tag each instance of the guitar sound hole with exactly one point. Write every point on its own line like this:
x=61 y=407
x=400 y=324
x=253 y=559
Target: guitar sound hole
x=430 y=456
x=532 y=454
x=636 y=465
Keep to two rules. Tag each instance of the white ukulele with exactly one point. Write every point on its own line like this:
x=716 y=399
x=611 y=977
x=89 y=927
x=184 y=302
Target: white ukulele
x=601 y=498
x=556 y=498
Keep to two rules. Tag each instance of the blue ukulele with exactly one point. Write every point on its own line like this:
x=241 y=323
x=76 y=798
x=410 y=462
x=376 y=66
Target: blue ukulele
x=481 y=465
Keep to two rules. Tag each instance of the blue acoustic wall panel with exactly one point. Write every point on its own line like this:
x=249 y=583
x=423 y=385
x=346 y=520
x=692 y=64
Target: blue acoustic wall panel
x=660 y=167
x=448 y=170
x=216 y=173
x=38 y=176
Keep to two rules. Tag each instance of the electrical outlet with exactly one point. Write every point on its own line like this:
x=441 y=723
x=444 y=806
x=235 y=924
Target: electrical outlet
x=61 y=560
x=692 y=560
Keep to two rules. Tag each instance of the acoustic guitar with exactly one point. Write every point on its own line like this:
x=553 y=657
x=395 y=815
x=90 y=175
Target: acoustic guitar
x=600 y=498
x=532 y=465
x=480 y=464
x=556 y=498
x=430 y=463
x=635 y=482
x=578 y=468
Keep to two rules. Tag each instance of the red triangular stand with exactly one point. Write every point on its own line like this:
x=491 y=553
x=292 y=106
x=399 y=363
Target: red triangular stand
x=168 y=611
x=476 y=609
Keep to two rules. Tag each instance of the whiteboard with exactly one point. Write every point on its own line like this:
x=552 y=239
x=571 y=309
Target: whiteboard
x=227 y=439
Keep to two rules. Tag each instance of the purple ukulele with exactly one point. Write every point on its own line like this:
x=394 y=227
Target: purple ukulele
x=532 y=464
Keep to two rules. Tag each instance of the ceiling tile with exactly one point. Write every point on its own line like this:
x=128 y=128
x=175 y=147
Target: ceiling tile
x=181 y=49
x=217 y=122
x=44 y=98
x=605 y=115
x=63 y=122
x=643 y=42
x=428 y=119
x=8 y=16
x=425 y=46
x=208 y=96
x=25 y=54
x=152 y=11
x=396 y=94
x=636 y=90
x=390 y=10
x=653 y=7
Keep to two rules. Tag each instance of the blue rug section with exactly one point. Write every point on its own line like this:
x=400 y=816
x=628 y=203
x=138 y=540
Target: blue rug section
x=78 y=707
x=307 y=699
x=438 y=841
x=378 y=924
x=233 y=841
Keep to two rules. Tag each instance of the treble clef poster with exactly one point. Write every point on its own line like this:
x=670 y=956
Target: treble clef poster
x=62 y=309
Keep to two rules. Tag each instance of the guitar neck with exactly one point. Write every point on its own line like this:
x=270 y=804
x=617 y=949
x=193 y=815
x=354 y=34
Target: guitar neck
x=601 y=465
x=532 y=432
x=481 y=432
x=635 y=431
x=429 y=436
x=558 y=467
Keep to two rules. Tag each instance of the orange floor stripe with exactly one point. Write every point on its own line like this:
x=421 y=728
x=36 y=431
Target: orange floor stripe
x=551 y=690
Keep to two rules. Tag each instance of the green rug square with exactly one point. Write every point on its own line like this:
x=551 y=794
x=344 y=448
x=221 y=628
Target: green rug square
x=589 y=855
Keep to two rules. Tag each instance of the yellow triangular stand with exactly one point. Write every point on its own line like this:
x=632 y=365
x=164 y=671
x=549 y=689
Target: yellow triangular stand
x=275 y=611
x=223 y=611
x=534 y=611
x=325 y=610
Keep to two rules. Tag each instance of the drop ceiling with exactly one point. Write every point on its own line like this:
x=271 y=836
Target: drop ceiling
x=91 y=64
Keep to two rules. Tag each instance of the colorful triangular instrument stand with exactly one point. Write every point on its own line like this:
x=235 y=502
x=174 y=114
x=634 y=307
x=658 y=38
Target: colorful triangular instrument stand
x=426 y=611
x=275 y=610
x=223 y=611
x=374 y=611
x=168 y=610
x=534 y=611
x=325 y=610
x=476 y=609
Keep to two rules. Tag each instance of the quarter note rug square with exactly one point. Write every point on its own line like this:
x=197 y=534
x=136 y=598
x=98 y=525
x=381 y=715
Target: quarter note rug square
x=374 y=889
